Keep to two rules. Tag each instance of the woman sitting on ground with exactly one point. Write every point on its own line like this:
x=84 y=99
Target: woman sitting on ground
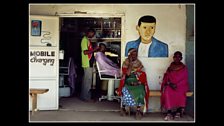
x=133 y=86
x=174 y=88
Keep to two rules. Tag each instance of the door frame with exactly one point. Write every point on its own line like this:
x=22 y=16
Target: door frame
x=100 y=15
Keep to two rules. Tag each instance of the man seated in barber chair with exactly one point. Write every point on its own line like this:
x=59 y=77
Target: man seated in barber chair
x=111 y=69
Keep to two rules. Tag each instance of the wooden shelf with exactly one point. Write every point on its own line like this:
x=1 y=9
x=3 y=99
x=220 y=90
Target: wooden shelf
x=106 y=39
x=38 y=90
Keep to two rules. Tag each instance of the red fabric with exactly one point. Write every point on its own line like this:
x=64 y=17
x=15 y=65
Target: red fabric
x=171 y=98
x=142 y=78
x=90 y=48
x=124 y=71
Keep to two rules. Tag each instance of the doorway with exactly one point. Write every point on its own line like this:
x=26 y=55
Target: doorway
x=72 y=29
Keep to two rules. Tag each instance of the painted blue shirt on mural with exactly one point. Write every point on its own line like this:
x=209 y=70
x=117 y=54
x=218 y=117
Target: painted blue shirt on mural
x=156 y=49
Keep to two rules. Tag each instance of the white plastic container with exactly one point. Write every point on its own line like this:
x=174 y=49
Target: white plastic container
x=64 y=91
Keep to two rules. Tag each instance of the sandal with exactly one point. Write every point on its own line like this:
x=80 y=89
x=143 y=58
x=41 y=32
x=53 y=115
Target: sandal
x=138 y=115
x=182 y=112
x=168 y=117
x=177 y=115
x=128 y=111
x=123 y=112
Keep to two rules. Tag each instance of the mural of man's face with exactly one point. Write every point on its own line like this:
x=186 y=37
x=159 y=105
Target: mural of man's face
x=146 y=31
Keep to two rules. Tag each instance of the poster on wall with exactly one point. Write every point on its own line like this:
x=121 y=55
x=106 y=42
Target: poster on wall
x=146 y=44
x=36 y=28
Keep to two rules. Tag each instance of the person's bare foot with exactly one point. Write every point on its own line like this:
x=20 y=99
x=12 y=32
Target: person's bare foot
x=168 y=117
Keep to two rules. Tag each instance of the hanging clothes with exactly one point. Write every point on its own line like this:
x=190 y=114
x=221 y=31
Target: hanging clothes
x=72 y=75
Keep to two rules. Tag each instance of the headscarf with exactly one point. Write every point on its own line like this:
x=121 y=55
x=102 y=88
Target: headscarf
x=136 y=64
x=131 y=50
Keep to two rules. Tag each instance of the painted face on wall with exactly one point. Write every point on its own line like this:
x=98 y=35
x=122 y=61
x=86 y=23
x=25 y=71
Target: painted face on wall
x=146 y=31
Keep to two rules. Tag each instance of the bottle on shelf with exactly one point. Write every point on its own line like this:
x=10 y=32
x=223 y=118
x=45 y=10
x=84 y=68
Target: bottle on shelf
x=114 y=24
x=109 y=24
x=119 y=33
x=115 y=34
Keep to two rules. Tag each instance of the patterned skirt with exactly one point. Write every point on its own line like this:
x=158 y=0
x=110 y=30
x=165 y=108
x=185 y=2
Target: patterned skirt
x=133 y=95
